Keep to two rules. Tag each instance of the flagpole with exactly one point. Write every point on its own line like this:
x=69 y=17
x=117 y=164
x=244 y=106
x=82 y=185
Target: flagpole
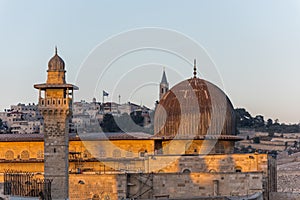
x=102 y=101
x=102 y=98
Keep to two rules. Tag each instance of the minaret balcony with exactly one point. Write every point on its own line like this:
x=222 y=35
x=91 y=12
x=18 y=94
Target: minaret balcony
x=55 y=103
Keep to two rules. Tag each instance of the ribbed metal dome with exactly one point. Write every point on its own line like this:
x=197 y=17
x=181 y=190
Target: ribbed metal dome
x=192 y=108
x=56 y=63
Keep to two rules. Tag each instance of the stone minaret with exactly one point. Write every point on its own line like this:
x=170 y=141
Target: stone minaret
x=163 y=86
x=55 y=105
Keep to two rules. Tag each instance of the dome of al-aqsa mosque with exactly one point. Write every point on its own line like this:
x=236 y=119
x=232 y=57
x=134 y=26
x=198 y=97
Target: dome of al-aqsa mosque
x=194 y=108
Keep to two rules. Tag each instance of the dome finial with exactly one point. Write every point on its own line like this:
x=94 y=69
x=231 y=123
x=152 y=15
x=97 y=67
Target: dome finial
x=195 y=69
x=55 y=50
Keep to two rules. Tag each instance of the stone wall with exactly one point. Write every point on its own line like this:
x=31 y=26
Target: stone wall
x=283 y=195
x=171 y=185
x=96 y=187
x=209 y=163
x=155 y=185
x=288 y=181
x=125 y=155
x=207 y=184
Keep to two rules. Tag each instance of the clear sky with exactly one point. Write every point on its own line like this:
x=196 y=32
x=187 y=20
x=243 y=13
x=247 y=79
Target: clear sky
x=254 y=45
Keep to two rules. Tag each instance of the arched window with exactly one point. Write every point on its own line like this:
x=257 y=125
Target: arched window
x=212 y=171
x=40 y=154
x=9 y=155
x=142 y=152
x=238 y=169
x=96 y=197
x=116 y=153
x=25 y=155
x=186 y=171
x=129 y=154
x=87 y=154
x=102 y=153
x=107 y=197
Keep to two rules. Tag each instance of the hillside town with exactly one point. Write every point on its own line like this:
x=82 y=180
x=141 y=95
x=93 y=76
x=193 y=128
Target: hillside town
x=26 y=118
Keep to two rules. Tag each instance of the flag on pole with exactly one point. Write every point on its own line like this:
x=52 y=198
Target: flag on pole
x=105 y=94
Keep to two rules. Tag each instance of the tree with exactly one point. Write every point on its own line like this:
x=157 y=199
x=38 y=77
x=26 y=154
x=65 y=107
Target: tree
x=259 y=121
x=271 y=133
x=108 y=124
x=243 y=118
x=256 y=140
x=132 y=123
x=295 y=144
x=137 y=117
x=269 y=123
x=126 y=123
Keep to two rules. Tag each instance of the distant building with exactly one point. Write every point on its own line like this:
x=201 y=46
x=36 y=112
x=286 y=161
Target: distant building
x=22 y=119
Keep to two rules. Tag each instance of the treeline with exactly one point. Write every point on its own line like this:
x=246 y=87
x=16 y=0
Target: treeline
x=245 y=120
x=135 y=122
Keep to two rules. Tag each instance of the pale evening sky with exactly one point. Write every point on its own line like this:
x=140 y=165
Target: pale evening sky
x=254 y=45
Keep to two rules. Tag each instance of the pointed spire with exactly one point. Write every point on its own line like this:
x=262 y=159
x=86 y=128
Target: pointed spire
x=195 y=69
x=164 y=77
x=55 y=50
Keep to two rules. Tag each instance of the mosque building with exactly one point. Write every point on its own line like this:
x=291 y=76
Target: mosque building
x=190 y=156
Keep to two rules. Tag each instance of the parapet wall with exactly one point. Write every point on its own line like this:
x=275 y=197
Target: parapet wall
x=163 y=185
x=284 y=195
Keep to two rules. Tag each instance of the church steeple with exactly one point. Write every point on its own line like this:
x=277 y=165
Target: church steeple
x=164 y=78
x=163 y=86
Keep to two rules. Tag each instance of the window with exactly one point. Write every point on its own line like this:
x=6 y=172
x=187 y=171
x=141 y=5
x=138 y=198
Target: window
x=102 y=153
x=86 y=154
x=116 y=153
x=40 y=154
x=238 y=169
x=9 y=155
x=129 y=154
x=142 y=152
x=186 y=171
x=25 y=155
x=96 y=197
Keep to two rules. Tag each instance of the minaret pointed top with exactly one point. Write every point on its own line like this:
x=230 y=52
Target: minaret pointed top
x=195 y=69
x=55 y=50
